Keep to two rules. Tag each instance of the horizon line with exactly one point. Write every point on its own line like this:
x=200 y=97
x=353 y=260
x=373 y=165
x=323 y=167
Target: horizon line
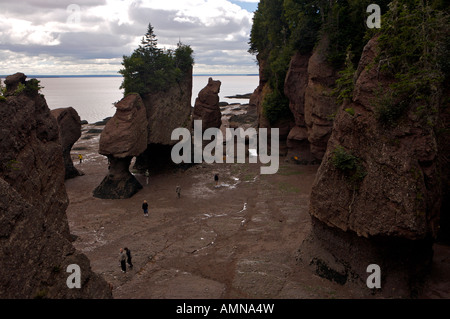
x=115 y=76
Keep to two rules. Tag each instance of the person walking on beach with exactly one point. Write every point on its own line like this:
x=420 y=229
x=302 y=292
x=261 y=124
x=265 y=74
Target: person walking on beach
x=80 y=157
x=145 y=208
x=128 y=253
x=147 y=174
x=216 y=179
x=178 y=191
x=122 y=260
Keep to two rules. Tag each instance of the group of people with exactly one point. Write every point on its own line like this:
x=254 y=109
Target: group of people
x=124 y=259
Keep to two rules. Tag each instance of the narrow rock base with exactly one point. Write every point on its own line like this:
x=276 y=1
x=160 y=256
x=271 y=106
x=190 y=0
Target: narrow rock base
x=119 y=183
x=344 y=257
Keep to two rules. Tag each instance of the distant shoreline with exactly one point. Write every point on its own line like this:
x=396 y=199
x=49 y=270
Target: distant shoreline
x=114 y=76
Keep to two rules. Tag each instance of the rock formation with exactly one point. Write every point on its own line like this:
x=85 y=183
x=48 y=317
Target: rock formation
x=69 y=124
x=295 y=88
x=124 y=137
x=309 y=83
x=320 y=105
x=256 y=101
x=13 y=81
x=35 y=241
x=376 y=198
x=207 y=107
x=308 y=86
x=166 y=111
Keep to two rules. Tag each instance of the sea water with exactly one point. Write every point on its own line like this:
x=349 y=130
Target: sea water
x=94 y=97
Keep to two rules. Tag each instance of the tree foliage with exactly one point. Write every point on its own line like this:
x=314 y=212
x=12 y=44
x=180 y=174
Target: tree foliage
x=283 y=27
x=414 y=43
x=150 y=69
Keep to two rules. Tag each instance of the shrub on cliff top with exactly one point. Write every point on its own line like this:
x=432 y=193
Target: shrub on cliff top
x=150 y=69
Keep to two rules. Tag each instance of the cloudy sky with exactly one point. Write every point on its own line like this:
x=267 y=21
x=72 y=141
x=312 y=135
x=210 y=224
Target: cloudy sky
x=81 y=37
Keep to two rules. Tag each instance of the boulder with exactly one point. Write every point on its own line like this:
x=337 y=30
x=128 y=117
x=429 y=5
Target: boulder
x=207 y=107
x=35 y=241
x=124 y=136
x=69 y=125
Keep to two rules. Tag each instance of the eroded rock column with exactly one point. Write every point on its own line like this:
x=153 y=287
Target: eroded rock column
x=69 y=124
x=124 y=137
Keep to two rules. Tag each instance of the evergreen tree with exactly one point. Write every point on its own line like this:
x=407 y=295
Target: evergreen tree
x=150 y=69
x=149 y=41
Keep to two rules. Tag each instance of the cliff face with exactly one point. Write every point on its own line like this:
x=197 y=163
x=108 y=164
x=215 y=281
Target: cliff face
x=256 y=102
x=35 y=242
x=308 y=86
x=377 y=194
x=309 y=83
x=400 y=186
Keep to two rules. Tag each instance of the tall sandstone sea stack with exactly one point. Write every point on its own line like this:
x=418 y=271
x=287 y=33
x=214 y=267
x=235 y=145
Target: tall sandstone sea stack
x=166 y=111
x=124 y=136
x=35 y=241
x=69 y=124
x=377 y=195
x=207 y=107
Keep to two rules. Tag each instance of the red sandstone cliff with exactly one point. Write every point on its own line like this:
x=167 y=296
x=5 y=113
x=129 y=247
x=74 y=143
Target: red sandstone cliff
x=385 y=209
x=35 y=242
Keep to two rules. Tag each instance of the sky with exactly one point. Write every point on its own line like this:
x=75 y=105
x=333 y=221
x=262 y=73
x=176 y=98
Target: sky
x=90 y=37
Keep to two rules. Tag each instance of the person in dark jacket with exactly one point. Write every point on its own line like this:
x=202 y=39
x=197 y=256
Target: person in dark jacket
x=128 y=253
x=216 y=179
x=145 y=208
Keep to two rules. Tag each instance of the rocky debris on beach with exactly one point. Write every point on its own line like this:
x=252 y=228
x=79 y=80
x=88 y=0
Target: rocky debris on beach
x=69 y=125
x=382 y=205
x=239 y=116
x=35 y=240
x=207 y=107
x=124 y=137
